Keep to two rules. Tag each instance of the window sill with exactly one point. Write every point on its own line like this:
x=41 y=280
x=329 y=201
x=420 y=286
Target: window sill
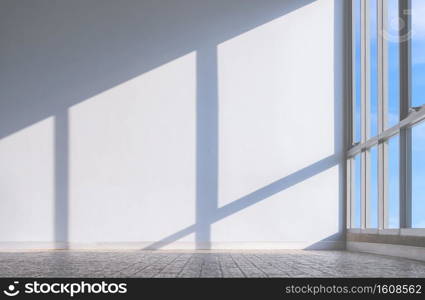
x=390 y=231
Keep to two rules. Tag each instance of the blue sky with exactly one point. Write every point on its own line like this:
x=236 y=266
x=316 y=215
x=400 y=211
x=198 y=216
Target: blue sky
x=418 y=98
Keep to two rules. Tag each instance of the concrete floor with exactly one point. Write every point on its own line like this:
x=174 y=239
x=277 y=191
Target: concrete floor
x=288 y=263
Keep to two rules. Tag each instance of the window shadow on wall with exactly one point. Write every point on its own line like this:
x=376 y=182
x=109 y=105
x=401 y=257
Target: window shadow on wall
x=60 y=55
x=208 y=212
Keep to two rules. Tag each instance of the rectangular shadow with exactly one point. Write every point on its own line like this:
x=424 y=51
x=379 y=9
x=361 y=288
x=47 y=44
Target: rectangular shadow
x=206 y=143
x=61 y=153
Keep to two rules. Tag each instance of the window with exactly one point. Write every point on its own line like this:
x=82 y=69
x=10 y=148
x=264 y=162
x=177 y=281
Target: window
x=373 y=32
x=372 y=209
x=386 y=156
x=357 y=71
x=418 y=52
x=418 y=176
x=393 y=206
x=393 y=69
x=357 y=192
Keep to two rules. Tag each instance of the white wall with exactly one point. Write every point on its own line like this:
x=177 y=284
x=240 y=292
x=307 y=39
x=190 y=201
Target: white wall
x=179 y=124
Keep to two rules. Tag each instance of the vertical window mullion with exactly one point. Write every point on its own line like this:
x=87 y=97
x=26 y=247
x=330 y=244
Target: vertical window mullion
x=382 y=114
x=349 y=110
x=365 y=110
x=350 y=193
x=353 y=91
x=405 y=104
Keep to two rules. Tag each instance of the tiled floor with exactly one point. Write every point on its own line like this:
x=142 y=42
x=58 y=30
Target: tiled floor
x=289 y=263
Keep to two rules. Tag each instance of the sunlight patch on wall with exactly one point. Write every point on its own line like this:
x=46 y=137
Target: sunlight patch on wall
x=297 y=212
x=27 y=183
x=276 y=100
x=132 y=155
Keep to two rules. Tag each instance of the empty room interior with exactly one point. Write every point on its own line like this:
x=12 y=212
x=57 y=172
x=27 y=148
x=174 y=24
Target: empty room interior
x=212 y=138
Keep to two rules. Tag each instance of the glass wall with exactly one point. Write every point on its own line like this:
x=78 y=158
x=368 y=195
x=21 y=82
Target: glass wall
x=388 y=164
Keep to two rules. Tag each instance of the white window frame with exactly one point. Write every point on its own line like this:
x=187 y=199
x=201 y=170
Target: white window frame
x=409 y=116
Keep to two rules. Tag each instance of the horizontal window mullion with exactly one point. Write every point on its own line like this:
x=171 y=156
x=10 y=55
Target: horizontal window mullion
x=413 y=118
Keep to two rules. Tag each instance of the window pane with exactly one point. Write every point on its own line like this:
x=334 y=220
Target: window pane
x=373 y=67
x=357 y=192
x=357 y=71
x=372 y=221
x=418 y=176
x=393 y=183
x=418 y=52
x=392 y=37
